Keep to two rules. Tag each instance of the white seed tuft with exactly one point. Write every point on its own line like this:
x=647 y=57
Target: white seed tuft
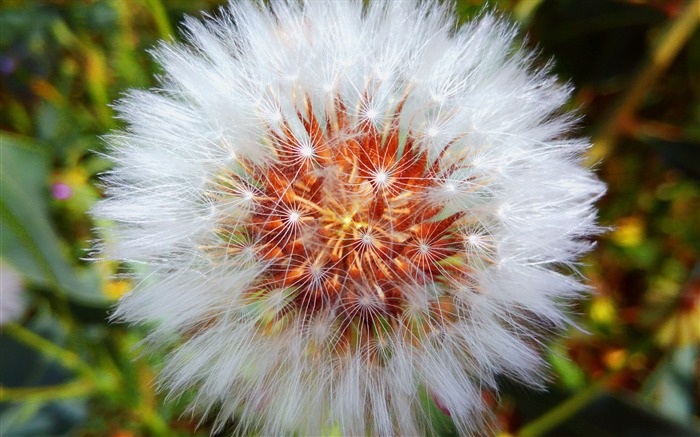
x=338 y=207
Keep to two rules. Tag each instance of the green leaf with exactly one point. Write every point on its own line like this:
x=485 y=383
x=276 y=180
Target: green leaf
x=442 y=424
x=29 y=241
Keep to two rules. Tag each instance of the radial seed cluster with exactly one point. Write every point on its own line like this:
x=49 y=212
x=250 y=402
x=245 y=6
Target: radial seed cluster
x=340 y=213
x=346 y=227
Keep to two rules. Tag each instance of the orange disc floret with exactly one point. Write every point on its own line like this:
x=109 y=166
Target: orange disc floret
x=343 y=222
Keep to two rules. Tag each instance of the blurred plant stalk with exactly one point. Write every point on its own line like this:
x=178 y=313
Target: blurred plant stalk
x=91 y=381
x=670 y=42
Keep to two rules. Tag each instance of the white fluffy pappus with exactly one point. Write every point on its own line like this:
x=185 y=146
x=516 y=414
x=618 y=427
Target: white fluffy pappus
x=345 y=209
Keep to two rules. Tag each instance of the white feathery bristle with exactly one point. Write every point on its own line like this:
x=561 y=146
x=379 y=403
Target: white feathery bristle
x=341 y=210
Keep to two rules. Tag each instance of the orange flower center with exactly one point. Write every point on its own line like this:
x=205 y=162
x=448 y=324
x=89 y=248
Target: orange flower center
x=343 y=221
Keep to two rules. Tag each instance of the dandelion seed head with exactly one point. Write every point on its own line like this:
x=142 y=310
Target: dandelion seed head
x=389 y=218
x=306 y=151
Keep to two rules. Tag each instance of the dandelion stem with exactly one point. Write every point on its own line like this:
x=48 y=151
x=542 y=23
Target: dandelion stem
x=669 y=44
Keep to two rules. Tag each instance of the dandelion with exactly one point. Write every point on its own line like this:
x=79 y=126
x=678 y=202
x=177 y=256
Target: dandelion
x=341 y=210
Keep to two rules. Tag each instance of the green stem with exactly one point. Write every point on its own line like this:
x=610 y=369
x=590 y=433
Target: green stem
x=525 y=9
x=67 y=359
x=160 y=16
x=565 y=410
x=46 y=393
x=96 y=69
x=669 y=44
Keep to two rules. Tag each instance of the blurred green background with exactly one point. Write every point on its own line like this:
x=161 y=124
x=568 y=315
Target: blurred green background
x=631 y=370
